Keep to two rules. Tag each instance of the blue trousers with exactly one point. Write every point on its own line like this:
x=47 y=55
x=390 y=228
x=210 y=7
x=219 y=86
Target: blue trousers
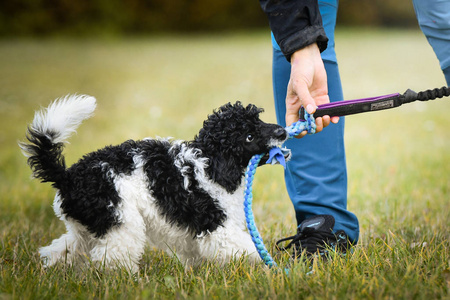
x=316 y=176
x=434 y=20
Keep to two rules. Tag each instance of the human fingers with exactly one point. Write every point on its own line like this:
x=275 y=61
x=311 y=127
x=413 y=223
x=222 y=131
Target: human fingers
x=293 y=105
x=320 y=125
x=326 y=120
x=302 y=134
x=334 y=120
x=297 y=98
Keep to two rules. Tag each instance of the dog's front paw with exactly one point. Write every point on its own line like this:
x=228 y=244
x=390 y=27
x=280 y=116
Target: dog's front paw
x=49 y=258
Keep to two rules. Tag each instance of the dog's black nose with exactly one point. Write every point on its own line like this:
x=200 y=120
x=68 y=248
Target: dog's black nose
x=280 y=133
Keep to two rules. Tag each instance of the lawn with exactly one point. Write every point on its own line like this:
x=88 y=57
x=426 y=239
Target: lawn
x=398 y=162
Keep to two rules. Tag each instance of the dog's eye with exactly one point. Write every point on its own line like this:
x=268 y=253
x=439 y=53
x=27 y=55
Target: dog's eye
x=249 y=138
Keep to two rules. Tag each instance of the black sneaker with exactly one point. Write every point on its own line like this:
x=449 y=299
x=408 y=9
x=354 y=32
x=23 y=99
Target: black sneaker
x=315 y=236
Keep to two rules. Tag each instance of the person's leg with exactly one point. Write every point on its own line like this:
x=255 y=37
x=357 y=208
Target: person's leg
x=316 y=176
x=434 y=20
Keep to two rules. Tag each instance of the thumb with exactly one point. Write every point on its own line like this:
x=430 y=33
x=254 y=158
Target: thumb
x=295 y=100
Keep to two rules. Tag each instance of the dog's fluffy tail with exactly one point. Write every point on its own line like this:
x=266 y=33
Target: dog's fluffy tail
x=49 y=131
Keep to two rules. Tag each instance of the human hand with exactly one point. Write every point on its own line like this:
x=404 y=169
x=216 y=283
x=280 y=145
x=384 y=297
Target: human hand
x=307 y=87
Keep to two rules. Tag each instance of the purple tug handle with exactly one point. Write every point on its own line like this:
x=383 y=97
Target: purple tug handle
x=350 y=107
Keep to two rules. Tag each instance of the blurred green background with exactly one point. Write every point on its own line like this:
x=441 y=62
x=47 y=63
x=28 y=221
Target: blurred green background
x=158 y=68
x=124 y=17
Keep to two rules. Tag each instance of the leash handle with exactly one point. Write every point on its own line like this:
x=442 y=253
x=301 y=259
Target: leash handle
x=351 y=107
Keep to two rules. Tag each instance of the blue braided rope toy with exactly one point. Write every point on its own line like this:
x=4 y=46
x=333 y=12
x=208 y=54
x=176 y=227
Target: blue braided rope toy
x=276 y=155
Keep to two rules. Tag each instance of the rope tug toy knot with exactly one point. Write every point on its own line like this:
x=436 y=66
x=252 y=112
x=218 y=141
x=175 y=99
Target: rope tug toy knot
x=276 y=155
x=307 y=124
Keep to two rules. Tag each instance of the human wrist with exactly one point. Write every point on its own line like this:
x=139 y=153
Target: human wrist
x=306 y=52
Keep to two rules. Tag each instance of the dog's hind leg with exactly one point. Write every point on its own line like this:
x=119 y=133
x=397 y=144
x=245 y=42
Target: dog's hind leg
x=123 y=245
x=59 y=250
x=65 y=248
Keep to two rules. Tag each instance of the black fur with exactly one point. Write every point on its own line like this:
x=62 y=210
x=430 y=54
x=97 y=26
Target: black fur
x=192 y=208
x=223 y=140
x=229 y=138
x=90 y=196
x=47 y=164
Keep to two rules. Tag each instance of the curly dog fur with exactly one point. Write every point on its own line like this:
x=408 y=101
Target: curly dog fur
x=185 y=197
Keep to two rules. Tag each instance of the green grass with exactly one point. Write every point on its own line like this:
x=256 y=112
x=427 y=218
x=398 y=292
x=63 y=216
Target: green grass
x=398 y=163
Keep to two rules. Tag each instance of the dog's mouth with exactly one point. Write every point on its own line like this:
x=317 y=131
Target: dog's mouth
x=286 y=154
x=276 y=156
x=277 y=142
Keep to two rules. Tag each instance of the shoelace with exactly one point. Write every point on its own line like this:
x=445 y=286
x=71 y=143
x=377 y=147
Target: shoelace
x=314 y=237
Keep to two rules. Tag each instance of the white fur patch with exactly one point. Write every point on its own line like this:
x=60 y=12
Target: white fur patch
x=275 y=143
x=191 y=155
x=63 y=116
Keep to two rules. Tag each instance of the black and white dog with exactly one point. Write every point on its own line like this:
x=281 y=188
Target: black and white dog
x=185 y=197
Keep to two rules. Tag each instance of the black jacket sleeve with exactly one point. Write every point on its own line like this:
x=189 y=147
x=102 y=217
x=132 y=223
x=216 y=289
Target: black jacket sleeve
x=295 y=24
